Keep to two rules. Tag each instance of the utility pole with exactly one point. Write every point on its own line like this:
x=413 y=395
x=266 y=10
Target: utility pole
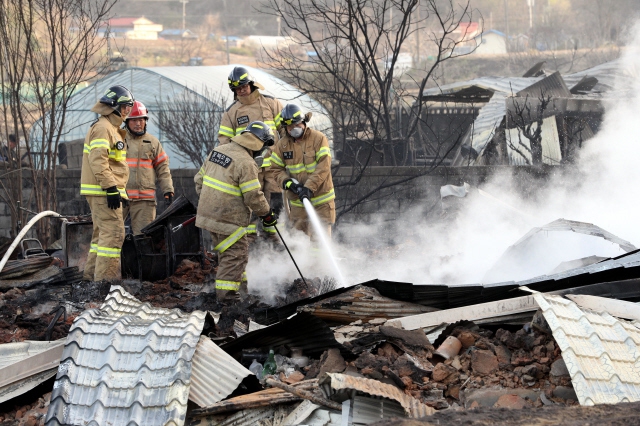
x=226 y=32
x=184 y=14
x=531 y=4
x=506 y=17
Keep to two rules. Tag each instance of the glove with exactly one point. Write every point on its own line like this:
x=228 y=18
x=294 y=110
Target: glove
x=304 y=192
x=291 y=185
x=168 y=198
x=113 y=198
x=270 y=219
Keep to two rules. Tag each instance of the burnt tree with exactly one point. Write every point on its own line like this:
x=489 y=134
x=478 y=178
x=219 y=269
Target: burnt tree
x=356 y=65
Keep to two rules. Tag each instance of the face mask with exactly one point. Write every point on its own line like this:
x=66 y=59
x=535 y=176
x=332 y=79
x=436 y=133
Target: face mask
x=296 y=132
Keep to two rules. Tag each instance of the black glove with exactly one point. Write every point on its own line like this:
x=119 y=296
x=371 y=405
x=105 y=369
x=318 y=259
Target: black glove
x=270 y=219
x=168 y=198
x=113 y=198
x=291 y=185
x=305 y=192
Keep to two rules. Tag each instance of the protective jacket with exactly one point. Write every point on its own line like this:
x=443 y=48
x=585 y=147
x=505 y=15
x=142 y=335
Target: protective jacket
x=104 y=161
x=147 y=162
x=308 y=160
x=229 y=188
x=250 y=108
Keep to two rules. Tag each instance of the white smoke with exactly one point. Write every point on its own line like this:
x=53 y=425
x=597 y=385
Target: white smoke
x=602 y=189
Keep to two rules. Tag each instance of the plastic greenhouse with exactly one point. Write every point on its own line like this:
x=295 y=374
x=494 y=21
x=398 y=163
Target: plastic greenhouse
x=153 y=86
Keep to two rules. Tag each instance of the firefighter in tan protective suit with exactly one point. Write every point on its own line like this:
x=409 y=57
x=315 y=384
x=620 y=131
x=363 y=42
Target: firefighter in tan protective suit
x=103 y=182
x=148 y=163
x=301 y=163
x=250 y=105
x=229 y=191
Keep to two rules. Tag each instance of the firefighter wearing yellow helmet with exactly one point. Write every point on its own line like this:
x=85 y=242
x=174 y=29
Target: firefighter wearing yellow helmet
x=251 y=105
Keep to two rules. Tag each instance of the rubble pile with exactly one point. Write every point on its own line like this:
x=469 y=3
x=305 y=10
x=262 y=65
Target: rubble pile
x=516 y=369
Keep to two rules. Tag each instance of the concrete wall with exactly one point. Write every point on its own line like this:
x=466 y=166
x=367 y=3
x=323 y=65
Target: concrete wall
x=418 y=190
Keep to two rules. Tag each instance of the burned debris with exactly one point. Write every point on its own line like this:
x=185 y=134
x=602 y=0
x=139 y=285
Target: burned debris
x=167 y=351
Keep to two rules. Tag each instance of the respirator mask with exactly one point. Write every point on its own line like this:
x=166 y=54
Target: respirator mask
x=296 y=132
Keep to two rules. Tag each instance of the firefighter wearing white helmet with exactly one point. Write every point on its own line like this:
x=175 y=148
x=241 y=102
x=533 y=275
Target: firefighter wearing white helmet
x=301 y=162
x=148 y=165
x=251 y=105
x=229 y=191
x=103 y=181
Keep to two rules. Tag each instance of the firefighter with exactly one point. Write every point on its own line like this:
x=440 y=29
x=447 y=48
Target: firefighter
x=148 y=163
x=103 y=182
x=250 y=105
x=229 y=191
x=301 y=163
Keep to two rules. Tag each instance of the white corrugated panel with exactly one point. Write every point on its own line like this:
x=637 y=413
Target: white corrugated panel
x=126 y=363
x=601 y=352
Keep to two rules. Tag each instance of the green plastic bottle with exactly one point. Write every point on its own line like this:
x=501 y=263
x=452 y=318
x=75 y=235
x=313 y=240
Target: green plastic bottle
x=270 y=365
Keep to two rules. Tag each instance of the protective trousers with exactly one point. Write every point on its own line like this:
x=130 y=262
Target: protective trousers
x=103 y=262
x=300 y=220
x=232 y=261
x=142 y=213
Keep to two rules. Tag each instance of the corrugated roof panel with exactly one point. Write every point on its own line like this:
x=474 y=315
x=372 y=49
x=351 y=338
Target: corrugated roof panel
x=334 y=383
x=215 y=374
x=126 y=363
x=600 y=351
x=484 y=127
x=505 y=85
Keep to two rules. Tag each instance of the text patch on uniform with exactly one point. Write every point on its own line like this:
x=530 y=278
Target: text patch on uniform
x=220 y=159
x=287 y=155
x=243 y=120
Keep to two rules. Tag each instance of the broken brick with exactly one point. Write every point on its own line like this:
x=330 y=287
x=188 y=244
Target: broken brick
x=511 y=402
x=444 y=373
x=484 y=362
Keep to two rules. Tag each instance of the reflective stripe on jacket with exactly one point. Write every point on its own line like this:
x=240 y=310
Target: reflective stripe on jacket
x=308 y=160
x=103 y=165
x=148 y=163
x=229 y=189
x=247 y=109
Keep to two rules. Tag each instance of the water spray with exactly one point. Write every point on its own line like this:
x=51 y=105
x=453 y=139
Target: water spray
x=322 y=236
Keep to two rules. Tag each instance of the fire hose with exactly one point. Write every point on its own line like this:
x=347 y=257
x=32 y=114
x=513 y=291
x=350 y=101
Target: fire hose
x=23 y=232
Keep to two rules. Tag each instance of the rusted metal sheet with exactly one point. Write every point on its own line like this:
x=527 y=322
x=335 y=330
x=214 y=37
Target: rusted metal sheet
x=215 y=374
x=362 y=303
x=265 y=398
x=339 y=387
x=49 y=275
x=19 y=268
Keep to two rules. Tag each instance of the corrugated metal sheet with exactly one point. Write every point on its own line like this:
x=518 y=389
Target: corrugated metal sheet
x=25 y=365
x=484 y=127
x=11 y=353
x=126 y=363
x=339 y=385
x=581 y=228
x=361 y=303
x=505 y=85
x=552 y=85
x=600 y=351
x=215 y=374
x=303 y=330
x=266 y=398
x=367 y=410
